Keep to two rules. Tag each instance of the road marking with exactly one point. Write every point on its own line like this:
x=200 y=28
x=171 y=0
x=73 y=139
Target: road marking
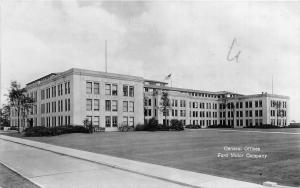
x=259 y=132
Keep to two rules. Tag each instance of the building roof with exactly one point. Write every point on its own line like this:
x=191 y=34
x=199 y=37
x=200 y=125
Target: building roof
x=43 y=78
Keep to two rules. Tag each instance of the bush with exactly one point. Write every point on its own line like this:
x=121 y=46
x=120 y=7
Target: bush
x=264 y=126
x=53 y=131
x=140 y=127
x=193 y=126
x=176 y=125
x=220 y=126
x=294 y=125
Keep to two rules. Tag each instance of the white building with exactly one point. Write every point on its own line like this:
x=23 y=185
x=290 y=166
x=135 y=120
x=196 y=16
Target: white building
x=109 y=100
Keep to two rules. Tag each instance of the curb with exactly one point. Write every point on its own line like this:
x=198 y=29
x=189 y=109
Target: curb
x=15 y=171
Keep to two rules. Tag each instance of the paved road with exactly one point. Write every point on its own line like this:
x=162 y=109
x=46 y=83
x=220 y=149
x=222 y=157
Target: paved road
x=48 y=169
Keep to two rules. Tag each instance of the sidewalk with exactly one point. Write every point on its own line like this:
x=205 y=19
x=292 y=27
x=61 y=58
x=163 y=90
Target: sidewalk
x=152 y=171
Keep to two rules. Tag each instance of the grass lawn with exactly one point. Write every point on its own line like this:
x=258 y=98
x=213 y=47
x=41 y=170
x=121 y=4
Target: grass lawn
x=197 y=150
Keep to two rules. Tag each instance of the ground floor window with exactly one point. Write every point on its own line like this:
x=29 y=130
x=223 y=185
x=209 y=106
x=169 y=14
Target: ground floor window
x=107 y=121
x=96 y=120
x=115 y=121
x=125 y=120
x=131 y=121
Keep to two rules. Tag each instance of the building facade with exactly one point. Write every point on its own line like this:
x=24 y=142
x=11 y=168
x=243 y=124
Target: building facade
x=111 y=100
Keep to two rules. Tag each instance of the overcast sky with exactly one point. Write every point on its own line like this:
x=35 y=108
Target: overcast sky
x=191 y=40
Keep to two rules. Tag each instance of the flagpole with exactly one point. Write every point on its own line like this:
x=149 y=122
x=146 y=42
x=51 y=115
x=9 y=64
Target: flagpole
x=106 y=56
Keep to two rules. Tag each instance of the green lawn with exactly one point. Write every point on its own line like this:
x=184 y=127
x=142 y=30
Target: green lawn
x=196 y=150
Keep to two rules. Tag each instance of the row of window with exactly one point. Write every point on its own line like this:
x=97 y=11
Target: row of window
x=110 y=89
x=55 y=121
x=62 y=105
x=280 y=113
x=110 y=121
x=110 y=105
x=278 y=104
x=203 y=122
x=51 y=91
x=278 y=122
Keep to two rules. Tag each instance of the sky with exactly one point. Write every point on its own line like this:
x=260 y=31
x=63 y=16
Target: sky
x=191 y=40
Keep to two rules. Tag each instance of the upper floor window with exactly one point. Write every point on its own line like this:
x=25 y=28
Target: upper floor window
x=89 y=104
x=114 y=89
x=131 y=91
x=42 y=94
x=107 y=89
x=89 y=87
x=125 y=106
x=108 y=105
x=96 y=88
x=125 y=90
x=96 y=104
x=114 y=105
x=131 y=106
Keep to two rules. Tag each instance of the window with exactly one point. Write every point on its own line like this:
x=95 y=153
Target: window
x=66 y=105
x=125 y=120
x=42 y=94
x=250 y=104
x=58 y=90
x=131 y=121
x=43 y=108
x=131 y=106
x=69 y=105
x=114 y=105
x=131 y=91
x=96 y=88
x=107 y=89
x=260 y=103
x=89 y=119
x=256 y=104
x=256 y=113
x=115 y=121
x=125 y=90
x=246 y=104
x=114 y=89
x=107 y=121
x=89 y=104
x=125 y=106
x=96 y=120
x=260 y=113
x=66 y=88
x=96 y=104
x=89 y=87
x=108 y=105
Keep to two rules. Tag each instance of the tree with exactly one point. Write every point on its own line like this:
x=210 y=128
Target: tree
x=18 y=101
x=88 y=124
x=4 y=116
x=165 y=104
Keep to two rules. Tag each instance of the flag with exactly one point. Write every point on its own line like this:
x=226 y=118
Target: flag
x=168 y=77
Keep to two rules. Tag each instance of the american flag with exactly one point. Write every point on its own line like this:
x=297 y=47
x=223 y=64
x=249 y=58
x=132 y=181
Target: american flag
x=168 y=77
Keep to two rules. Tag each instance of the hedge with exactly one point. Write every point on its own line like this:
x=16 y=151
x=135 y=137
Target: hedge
x=53 y=131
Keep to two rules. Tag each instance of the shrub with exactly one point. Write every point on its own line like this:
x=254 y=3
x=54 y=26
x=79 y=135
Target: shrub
x=152 y=125
x=264 y=126
x=193 y=126
x=140 y=127
x=220 y=126
x=294 y=125
x=176 y=125
x=53 y=131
